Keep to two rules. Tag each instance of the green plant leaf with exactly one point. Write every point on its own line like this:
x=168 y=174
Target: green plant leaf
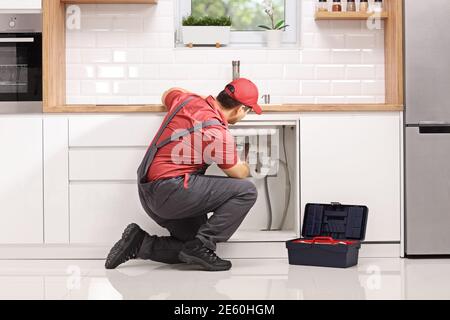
x=283 y=27
x=265 y=27
x=279 y=24
x=207 y=21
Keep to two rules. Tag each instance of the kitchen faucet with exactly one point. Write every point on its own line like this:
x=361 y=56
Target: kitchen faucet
x=266 y=98
x=236 y=69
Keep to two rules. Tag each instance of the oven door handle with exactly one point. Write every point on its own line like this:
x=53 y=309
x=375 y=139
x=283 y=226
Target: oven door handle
x=16 y=40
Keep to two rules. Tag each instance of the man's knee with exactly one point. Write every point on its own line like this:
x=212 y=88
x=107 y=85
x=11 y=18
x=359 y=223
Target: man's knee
x=249 y=190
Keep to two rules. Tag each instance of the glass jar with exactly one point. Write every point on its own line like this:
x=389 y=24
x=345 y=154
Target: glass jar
x=322 y=6
x=364 y=6
x=351 y=6
x=337 y=7
x=377 y=6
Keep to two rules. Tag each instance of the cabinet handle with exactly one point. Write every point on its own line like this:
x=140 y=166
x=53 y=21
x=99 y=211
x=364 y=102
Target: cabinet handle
x=15 y=40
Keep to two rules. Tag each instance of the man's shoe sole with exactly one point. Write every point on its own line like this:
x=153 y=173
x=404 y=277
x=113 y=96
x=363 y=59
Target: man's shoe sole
x=194 y=260
x=118 y=251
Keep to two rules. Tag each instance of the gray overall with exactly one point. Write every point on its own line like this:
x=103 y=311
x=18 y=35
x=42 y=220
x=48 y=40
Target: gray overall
x=182 y=206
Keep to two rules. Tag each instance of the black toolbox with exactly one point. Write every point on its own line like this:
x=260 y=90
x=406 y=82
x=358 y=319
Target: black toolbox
x=331 y=236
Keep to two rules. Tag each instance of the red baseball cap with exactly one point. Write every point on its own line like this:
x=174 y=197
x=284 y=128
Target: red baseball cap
x=246 y=92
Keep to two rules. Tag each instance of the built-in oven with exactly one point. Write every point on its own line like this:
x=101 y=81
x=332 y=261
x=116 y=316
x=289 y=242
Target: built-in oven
x=20 y=63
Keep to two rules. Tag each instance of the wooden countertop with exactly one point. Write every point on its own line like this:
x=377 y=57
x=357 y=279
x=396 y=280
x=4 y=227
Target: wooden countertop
x=266 y=108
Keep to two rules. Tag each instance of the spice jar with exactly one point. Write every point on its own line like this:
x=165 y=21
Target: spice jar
x=364 y=6
x=377 y=6
x=322 y=6
x=337 y=7
x=351 y=5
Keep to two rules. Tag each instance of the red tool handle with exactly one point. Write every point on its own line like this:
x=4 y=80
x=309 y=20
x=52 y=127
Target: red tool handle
x=323 y=239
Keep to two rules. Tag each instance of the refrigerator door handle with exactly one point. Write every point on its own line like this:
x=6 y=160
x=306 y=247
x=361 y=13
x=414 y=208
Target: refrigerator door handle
x=434 y=128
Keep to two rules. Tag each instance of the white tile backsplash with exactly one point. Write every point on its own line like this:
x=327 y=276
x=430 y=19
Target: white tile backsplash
x=356 y=41
x=316 y=88
x=141 y=71
x=92 y=88
x=90 y=56
x=346 y=56
x=127 y=87
x=300 y=71
x=125 y=54
x=111 y=39
x=111 y=71
x=332 y=72
x=345 y=87
x=373 y=87
x=361 y=72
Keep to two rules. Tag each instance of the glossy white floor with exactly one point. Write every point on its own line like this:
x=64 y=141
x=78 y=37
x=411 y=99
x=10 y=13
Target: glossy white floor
x=389 y=278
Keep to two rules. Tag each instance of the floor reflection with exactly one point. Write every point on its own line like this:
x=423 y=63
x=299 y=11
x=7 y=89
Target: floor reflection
x=248 y=279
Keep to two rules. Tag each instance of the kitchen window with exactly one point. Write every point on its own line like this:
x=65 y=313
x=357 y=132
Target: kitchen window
x=246 y=16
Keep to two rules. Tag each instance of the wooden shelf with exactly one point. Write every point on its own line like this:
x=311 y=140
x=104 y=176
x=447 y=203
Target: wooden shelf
x=155 y=108
x=110 y=1
x=326 y=15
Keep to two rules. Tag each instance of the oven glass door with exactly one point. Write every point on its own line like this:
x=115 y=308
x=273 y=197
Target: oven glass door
x=20 y=67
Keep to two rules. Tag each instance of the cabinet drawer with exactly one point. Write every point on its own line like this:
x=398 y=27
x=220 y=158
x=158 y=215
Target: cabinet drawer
x=104 y=131
x=105 y=163
x=100 y=211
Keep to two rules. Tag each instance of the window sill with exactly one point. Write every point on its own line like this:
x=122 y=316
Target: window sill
x=239 y=46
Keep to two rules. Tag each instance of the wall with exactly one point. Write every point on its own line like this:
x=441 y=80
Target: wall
x=124 y=54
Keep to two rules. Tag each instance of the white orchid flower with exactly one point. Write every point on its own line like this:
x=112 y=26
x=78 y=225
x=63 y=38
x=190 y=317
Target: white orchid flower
x=268 y=7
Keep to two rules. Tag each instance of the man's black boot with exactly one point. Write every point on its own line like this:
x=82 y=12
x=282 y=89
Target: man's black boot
x=194 y=252
x=126 y=248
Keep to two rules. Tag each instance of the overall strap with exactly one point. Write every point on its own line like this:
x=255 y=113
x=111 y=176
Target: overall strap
x=170 y=118
x=152 y=149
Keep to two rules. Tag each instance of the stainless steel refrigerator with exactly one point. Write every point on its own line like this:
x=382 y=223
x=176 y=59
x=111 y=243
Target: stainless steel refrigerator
x=427 y=131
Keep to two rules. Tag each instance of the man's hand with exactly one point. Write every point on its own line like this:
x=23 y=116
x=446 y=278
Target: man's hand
x=240 y=171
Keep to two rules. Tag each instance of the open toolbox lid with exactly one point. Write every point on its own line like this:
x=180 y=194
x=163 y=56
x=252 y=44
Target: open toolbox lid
x=335 y=220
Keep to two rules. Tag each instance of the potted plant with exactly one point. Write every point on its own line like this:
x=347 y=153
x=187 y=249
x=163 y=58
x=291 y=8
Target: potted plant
x=206 y=31
x=274 y=31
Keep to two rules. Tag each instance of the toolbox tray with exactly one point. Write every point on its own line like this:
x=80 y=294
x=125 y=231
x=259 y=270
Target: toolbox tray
x=331 y=236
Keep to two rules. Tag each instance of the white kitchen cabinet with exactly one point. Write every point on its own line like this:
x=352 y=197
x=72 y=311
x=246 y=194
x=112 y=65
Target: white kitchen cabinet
x=21 y=191
x=104 y=152
x=56 y=181
x=103 y=164
x=113 y=131
x=20 y=4
x=100 y=211
x=354 y=159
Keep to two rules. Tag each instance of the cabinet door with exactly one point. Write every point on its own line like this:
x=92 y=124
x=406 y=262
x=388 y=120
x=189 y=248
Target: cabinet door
x=105 y=152
x=354 y=159
x=21 y=191
x=99 y=211
x=22 y=4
